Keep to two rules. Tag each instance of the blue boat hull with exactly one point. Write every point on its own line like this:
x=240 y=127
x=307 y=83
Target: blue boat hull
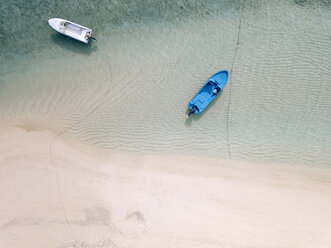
x=208 y=92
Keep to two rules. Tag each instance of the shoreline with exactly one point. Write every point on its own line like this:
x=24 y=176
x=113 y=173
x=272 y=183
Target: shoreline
x=70 y=196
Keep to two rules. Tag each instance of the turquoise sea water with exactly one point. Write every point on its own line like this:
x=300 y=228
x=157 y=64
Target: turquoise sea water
x=129 y=90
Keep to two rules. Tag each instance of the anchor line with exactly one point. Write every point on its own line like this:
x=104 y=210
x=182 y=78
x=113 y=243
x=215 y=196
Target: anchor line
x=230 y=81
x=63 y=132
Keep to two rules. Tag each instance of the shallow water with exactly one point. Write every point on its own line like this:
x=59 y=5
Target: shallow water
x=129 y=90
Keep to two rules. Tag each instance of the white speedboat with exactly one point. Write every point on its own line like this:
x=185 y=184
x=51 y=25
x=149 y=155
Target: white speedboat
x=71 y=29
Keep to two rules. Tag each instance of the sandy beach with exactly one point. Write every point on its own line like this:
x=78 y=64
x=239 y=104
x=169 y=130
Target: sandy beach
x=56 y=193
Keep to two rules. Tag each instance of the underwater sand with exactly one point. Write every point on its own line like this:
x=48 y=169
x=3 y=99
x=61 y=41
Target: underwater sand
x=129 y=90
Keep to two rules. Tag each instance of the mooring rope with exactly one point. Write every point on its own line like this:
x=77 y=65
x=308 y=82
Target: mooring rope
x=231 y=71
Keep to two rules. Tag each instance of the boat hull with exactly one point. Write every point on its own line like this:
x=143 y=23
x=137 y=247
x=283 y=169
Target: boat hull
x=71 y=29
x=208 y=92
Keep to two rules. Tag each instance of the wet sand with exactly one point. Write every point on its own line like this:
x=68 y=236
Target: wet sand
x=56 y=192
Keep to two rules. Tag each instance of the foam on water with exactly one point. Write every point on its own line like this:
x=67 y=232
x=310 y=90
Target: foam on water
x=129 y=90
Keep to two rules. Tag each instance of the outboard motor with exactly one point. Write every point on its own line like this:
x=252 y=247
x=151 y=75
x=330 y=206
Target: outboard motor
x=191 y=111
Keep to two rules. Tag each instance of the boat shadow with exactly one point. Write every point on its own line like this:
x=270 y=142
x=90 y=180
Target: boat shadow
x=194 y=117
x=73 y=45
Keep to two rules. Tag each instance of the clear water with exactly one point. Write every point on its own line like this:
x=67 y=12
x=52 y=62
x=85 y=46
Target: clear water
x=129 y=90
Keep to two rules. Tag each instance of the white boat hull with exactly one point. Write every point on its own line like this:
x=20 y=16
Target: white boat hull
x=71 y=29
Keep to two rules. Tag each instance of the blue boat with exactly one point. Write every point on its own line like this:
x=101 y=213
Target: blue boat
x=208 y=92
